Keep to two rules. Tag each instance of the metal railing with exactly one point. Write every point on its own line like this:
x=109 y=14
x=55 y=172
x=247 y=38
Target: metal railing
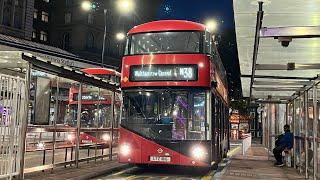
x=12 y=114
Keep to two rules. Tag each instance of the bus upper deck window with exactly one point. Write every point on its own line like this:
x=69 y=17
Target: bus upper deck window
x=208 y=43
x=126 y=50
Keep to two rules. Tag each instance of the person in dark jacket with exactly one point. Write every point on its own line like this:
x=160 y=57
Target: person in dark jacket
x=284 y=141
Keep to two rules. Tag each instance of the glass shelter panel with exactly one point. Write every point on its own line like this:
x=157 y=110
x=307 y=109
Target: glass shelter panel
x=298 y=129
x=309 y=133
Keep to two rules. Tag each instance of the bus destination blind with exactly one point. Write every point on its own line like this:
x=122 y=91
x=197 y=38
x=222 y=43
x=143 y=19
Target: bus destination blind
x=171 y=72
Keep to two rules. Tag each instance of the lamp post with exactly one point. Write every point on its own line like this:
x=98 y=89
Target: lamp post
x=123 y=6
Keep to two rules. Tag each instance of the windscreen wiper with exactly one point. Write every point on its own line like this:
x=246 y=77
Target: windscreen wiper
x=137 y=105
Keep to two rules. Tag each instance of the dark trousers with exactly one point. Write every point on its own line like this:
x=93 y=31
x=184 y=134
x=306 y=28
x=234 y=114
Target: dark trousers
x=277 y=152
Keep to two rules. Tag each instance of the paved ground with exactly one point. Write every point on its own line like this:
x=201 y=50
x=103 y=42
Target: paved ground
x=255 y=165
x=85 y=171
x=155 y=173
x=168 y=173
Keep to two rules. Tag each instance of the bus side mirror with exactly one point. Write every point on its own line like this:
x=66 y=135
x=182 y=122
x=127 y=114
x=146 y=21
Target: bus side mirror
x=213 y=84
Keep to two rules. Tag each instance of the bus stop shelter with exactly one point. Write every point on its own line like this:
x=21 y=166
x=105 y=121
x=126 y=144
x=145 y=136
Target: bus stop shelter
x=26 y=66
x=278 y=47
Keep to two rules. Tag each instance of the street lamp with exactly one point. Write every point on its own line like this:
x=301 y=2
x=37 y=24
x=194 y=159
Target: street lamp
x=86 y=5
x=211 y=25
x=120 y=36
x=124 y=6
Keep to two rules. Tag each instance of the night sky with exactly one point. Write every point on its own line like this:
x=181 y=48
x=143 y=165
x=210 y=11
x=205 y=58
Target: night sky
x=222 y=11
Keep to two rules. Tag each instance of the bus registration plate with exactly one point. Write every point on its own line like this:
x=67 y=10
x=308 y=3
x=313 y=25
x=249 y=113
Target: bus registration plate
x=160 y=159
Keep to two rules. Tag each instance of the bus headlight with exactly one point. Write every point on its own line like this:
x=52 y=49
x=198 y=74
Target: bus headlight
x=71 y=137
x=106 y=137
x=125 y=149
x=198 y=152
x=41 y=145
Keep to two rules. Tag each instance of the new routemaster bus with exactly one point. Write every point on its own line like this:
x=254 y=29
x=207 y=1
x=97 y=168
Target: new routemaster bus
x=96 y=106
x=175 y=101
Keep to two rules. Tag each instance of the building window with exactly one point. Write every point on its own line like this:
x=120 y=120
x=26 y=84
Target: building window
x=43 y=36
x=90 y=18
x=66 y=41
x=45 y=16
x=6 y=19
x=18 y=18
x=68 y=3
x=67 y=18
x=34 y=35
x=90 y=40
x=35 y=14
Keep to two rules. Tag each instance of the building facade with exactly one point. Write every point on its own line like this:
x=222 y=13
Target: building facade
x=66 y=25
x=81 y=32
x=41 y=21
x=16 y=18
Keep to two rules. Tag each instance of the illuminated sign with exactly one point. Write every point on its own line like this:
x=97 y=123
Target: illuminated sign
x=168 y=72
x=89 y=97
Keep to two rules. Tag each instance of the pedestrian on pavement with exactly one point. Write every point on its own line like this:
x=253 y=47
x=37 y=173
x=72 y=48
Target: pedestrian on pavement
x=283 y=142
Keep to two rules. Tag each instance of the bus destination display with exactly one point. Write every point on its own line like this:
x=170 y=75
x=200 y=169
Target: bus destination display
x=171 y=72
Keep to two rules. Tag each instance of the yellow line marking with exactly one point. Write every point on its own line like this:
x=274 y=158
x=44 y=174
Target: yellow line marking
x=208 y=176
x=131 y=177
x=122 y=172
x=233 y=151
x=164 y=178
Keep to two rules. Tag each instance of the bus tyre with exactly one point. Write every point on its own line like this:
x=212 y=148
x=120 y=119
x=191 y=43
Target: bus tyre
x=214 y=166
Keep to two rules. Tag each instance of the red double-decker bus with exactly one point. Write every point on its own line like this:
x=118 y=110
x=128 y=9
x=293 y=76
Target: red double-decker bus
x=96 y=105
x=175 y=101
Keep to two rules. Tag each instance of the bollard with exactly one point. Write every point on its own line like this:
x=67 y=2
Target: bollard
x=246 y=144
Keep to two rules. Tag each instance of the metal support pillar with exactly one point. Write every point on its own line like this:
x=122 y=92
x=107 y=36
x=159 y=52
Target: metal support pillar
x=104 y=37
x=55 y=119
x=112 y=124
x=78 y=125
x=315 y=131
x=269 y=128
x=24 y=125
x=287 y=113
x=305 y=104
x=294 y=133
x=97 y=126
x=256 y=44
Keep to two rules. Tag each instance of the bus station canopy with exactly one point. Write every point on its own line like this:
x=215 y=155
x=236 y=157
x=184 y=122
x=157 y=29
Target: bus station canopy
x=278 y=71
